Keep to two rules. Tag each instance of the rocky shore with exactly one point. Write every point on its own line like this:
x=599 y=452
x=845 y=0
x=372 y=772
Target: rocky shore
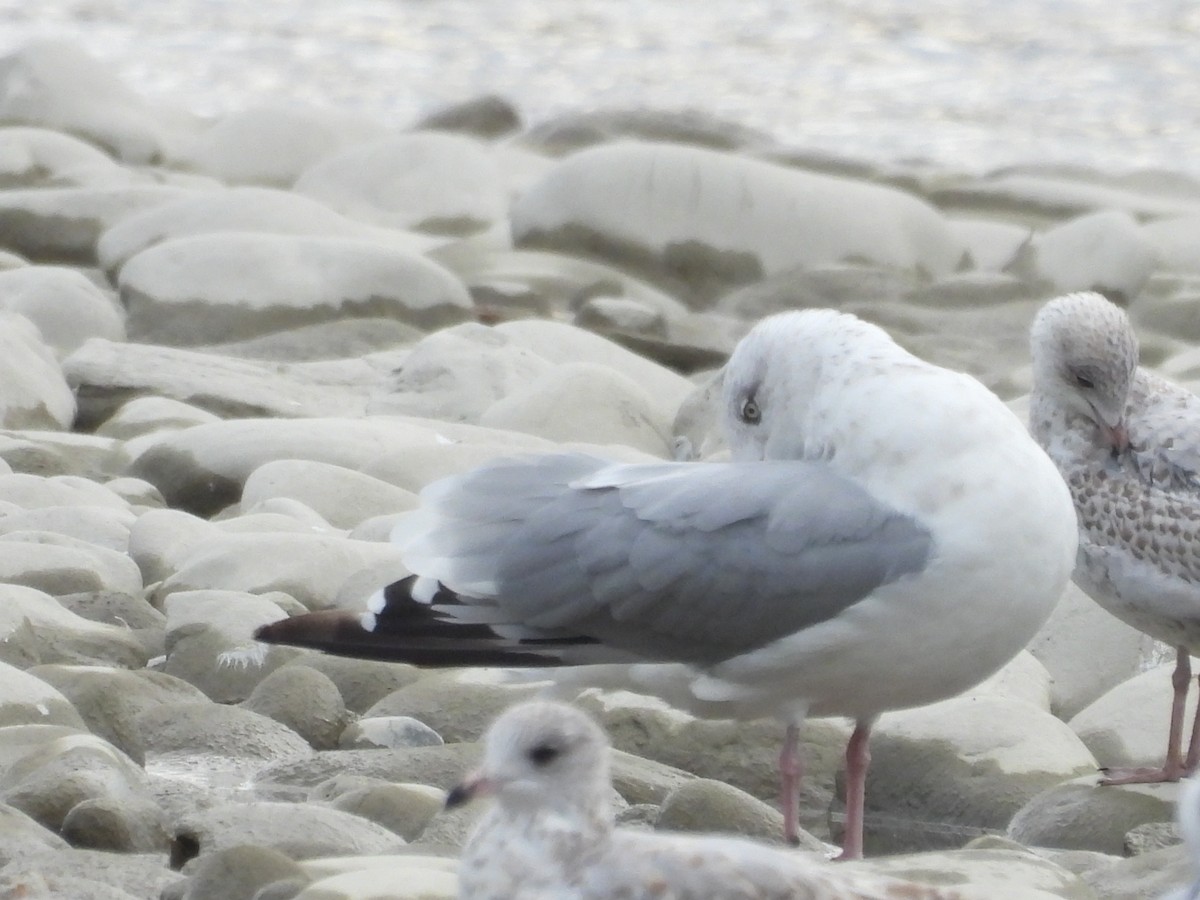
x=233 y=351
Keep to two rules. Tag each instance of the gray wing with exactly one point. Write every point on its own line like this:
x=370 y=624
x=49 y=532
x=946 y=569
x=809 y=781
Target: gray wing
x=1164 y=432
x=692 y=562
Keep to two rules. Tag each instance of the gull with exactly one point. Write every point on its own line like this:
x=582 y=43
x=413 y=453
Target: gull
x=551 y=835
x=1128 y=444
x=886 y=535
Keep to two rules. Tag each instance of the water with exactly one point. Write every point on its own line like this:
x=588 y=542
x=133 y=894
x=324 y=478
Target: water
x=968 y=84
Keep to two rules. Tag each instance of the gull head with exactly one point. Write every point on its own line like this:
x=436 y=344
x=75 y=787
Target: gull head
x=540 y=754
x=1085 y=354
x=780 y=367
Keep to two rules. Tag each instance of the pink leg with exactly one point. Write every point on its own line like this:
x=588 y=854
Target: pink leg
x=1173 y=768
x=858 y=760
x=791 y=770
x=1193 y=754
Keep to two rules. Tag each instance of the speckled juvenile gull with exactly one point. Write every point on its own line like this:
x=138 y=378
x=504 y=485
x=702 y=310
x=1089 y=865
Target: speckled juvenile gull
x=887 y=535
x=1128 y=444
x=551 y=834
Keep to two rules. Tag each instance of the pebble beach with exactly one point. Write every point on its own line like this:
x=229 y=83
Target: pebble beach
x=244 y=323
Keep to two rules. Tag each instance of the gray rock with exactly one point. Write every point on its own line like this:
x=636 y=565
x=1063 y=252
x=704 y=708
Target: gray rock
x=273 y=144
x=362 y=682
x=67 y=307
x=427 y=181
x=808 y=287
x=41 y=630
x=298 y=830
x=1127 y=725
x=245 y=209
x=60 y=564
x=304 y=700
x=405 y=809
x=783 y=218
x=1151 y=836
x=142 y=415
x=48 y=783
x=1147 y=877
x=342 y=496
x=451 y=828
x=173 y=297
x=101 y=526
x=62 y=225
x=109 y=375
x=25 y=699
x=196 y=727
x=34 y=393
x=1082 y=815
x=239 y=872
x=1101 y=251
x=488 y=116
x=39 y=157
x=60 y=454
x=706 y=806
x=140 y=875
x=337 y=340
x=584 y=402
x=110 y=700
x=209 y=641
x=22 y=836
x=962 y=767
x=57 y=84
x=572 y=131
x=440 y=767
x=202 y=469
x=458 y=705
x=119 y=825
x=388 y=732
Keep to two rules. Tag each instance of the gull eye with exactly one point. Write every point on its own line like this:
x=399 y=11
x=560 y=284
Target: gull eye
x=1084 y=382
x=543 y=754
x=750 y=412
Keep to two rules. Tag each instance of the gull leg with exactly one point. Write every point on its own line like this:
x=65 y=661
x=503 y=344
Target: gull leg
x=1193 y=754
x=1173 y=767
x=858 y=760
x=791 y=769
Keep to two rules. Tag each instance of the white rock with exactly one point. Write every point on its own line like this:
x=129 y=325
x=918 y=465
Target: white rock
x=66 y=306
x=145 y=415
x=1127 y=726
x=217 y=287
x=33 y=391
x=56 y=84
x=38 y=156
x=991 y=245
x=253 y=209
x=312 y=568
x=102 y=526
x=1176 y=241
x=457 y=373
x=58 y=565
x=428 y=181
x=584 y=402
x=25 y=699
x=732 y=219
x=1103 y=251
x=206 y=386
x=401 y=880
x=1086 y=650
x=1023 y=678
x=35 y=492
x=562 y=343
x=63 y=224
x=272 y=145
x=342 y=496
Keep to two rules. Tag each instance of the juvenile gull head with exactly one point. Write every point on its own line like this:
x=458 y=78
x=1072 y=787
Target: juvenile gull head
x=1085 y=354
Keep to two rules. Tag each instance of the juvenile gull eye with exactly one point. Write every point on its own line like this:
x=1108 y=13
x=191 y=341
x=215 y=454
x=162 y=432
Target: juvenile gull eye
x=750 y=413
x=1084 y=382
x=543 y=754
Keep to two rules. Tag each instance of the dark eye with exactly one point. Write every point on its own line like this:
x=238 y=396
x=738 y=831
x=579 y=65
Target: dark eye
x=750 y=413
x=543 y=754
x=1084 y=382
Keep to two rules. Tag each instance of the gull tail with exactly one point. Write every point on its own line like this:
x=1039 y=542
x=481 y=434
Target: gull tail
x=425 y=624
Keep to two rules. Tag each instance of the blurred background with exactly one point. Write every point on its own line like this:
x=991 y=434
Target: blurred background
x=971 y=85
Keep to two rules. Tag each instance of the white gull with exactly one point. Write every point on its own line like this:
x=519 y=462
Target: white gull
x=888 y=535
x=1128 y=444
x=551 y=834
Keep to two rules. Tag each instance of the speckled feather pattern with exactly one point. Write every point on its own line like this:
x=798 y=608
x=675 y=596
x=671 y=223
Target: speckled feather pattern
x=1138 y=509
x=551 y=835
